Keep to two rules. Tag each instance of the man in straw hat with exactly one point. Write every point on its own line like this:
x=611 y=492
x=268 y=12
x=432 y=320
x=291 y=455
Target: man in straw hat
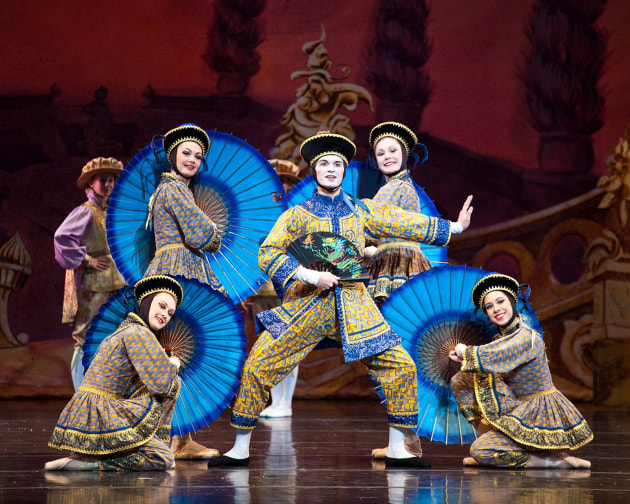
x=321 y=305
x=81 y=248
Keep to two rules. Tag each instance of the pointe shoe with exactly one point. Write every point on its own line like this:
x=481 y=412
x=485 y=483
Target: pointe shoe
x=469 y=462
x=184 y=448
x=571 y=462
x=276 y=412
x=70 y=464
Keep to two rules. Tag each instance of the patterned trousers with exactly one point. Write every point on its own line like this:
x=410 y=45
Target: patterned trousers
x=272 y=359
x=496 y=449
x=492 y=448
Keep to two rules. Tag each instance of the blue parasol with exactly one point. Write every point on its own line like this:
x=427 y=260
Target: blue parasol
x=208 y=336
x=363 y=182
x=236 y=189
x=432 y=312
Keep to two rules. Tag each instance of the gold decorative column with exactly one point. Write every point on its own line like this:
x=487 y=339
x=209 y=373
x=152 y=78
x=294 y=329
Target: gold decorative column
x=14 y=271
x=608 y=259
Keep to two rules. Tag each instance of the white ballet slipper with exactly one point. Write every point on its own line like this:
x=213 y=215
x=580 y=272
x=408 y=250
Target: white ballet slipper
x=276 y=412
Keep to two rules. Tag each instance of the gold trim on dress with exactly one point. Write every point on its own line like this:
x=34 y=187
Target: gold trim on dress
x=401 y=243
x=94 y=390
x=172 y=246
x=537 y=394
x=537 y=437
x=101 y=443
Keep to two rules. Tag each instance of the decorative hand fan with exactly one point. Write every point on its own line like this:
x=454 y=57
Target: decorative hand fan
x=432 y=312
x=208 y=336
x=363 y=182
x=335 y=250
x=235 y=188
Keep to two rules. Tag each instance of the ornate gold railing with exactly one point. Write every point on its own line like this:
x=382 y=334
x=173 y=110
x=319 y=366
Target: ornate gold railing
x=576 y=258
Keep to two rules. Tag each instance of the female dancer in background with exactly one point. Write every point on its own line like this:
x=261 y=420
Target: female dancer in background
x=182 y=232
x=395 y=261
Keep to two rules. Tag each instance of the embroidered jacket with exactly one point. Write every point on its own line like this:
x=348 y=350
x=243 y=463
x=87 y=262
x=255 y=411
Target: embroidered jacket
x=119 y=405
x=400 y=192
x=364 y=332
x=514 y=393
x=182 y=231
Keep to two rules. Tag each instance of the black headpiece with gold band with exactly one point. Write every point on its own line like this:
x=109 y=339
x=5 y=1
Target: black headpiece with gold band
x=492 y=282
x=159 y=283
x=186 y=133
x=396 y=130
x=325 y=143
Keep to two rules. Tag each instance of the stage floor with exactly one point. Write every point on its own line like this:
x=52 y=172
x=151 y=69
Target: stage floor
x=321 y=455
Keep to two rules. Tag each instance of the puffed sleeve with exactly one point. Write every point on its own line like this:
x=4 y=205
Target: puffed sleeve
x=69 y=252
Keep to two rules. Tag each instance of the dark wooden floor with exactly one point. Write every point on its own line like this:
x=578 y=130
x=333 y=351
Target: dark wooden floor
x=322 y=455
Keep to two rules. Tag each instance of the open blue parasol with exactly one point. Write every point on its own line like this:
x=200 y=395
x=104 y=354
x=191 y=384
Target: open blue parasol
x=432 y=312
x=363 y=182
x=236 y=189
x=208 y=336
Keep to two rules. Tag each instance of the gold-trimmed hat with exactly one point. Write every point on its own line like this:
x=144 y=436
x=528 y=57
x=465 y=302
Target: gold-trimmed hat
x=97 y=166
x=159 y=283
x=325 y=143
x=396 y=130
x=186 y=133
x=492 y=282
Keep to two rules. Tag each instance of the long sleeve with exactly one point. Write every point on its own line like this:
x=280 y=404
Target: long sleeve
x=505 y=354
x=197 y=229
x=392 y=222
x=151 y=363
x=69 y=252
x=272 y=257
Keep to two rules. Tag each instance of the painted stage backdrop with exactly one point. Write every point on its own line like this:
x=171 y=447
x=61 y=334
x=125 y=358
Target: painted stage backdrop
x=523 y=104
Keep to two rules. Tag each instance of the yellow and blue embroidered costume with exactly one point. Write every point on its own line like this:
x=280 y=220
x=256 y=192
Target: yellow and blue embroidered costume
x=182 y=231
x=345 y=313
x=122 y=412
x=396 y=261
x=507 y=385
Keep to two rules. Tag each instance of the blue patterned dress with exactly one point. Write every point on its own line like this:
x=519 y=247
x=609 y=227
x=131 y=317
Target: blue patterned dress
x=346 y=313
x=507 y=385
x=122 y=412
x=182 y=231
x=396 y=261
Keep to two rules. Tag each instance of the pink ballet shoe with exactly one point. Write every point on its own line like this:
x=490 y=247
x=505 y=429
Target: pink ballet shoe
x=70 y=464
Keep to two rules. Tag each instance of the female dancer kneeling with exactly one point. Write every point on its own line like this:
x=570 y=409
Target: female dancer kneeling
x=505 y=389
x=120 y=417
